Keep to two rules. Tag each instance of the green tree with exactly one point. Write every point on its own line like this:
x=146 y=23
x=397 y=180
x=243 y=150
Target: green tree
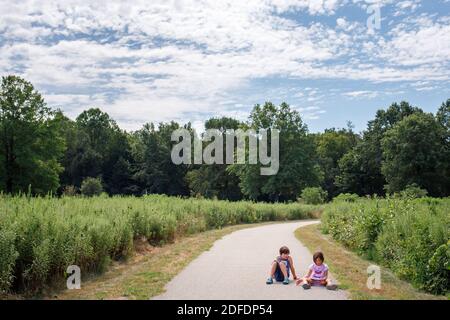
x=91 y=187
x=360 y=169
x=30 y=143
x=314 y=195
x=297 y=168
x=443 y=115
x=215 y=180
x=331 y=146
x=415 y=152
x=96 y=146
x=155 y=172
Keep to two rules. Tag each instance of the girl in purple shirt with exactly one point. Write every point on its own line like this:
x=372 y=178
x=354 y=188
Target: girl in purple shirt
x=317 y=274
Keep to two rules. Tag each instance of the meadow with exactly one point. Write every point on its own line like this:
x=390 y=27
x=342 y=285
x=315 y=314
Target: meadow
x=409 y=236
x=41 y=236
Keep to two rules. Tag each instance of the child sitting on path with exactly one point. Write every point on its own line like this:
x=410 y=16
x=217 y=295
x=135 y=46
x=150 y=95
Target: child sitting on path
x=317 y=274
x=281 y=267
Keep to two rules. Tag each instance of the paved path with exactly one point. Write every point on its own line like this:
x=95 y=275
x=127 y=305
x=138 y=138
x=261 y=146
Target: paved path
x=237 y=266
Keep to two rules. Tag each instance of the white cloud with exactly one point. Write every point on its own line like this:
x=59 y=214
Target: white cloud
x=425 y=43
x=312 y=6
x=361 y=94
x=310 y=112
x=168 y=59
x=426 y=88
x=408 y=6
x=347 y=26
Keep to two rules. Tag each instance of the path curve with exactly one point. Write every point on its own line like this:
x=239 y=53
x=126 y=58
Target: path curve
x=237 y=266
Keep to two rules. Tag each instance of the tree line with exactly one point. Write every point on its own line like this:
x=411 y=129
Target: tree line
x=42 y=151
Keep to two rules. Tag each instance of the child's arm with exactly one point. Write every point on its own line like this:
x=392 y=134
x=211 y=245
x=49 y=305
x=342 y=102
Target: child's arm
x=291 y=262
x=308 y=274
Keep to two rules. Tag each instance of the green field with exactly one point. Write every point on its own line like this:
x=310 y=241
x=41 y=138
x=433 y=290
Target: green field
x=409 y=236
x=41 y=236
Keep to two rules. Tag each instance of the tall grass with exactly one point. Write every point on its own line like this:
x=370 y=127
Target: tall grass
x=409 y=236
x=40 y=237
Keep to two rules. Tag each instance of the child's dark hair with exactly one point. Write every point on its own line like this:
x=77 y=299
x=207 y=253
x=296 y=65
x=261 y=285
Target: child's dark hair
x=318 y=255
x=284 y=249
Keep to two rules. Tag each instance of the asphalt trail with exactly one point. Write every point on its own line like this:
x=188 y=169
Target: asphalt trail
x=237 y=266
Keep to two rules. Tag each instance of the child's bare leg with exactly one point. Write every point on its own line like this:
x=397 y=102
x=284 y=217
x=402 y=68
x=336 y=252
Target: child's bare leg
x=283 y=269
x=304 y=280
x=273 y=268
x=306 y=283
x=330 y=285
x=324 y=282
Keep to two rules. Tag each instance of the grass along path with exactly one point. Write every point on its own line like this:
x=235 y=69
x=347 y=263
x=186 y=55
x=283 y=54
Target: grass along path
x=350 y=269
x=146 y=273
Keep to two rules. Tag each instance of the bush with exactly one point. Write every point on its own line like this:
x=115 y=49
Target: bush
x=70 y=191
x=410 y=236
x=314 y=195
x=346 y=197
x=438 y=270
x=413 y=191
x=91 y=187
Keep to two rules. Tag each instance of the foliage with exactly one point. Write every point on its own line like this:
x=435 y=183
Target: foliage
x=414 y=151
x=91 y=187
x=8 y=256
x=443 y=116
x=346 y=197
x=313 y=195
x=30 y=144
x=155 y=171
x=412 y=191
x=360 y=169
x=331 y=146
x=406 y=235
x=96 y=146
x=297 y=168
x=70 y=190
x=216 y=181
x=438 y=270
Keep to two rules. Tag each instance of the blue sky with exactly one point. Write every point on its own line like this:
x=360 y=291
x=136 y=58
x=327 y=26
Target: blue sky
x=190 y=60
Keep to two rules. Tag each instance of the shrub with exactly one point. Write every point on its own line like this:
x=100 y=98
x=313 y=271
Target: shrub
x=346 y=197
x=70 y=191
x=438 y=270
x=91 y=187
x=314 y=195
x=413 y=191
x=410 y=236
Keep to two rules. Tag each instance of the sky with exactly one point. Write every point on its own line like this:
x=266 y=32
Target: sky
x=184 y=60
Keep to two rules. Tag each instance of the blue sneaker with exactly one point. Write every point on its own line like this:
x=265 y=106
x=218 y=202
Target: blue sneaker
x=269 y=281
x=286 y=281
